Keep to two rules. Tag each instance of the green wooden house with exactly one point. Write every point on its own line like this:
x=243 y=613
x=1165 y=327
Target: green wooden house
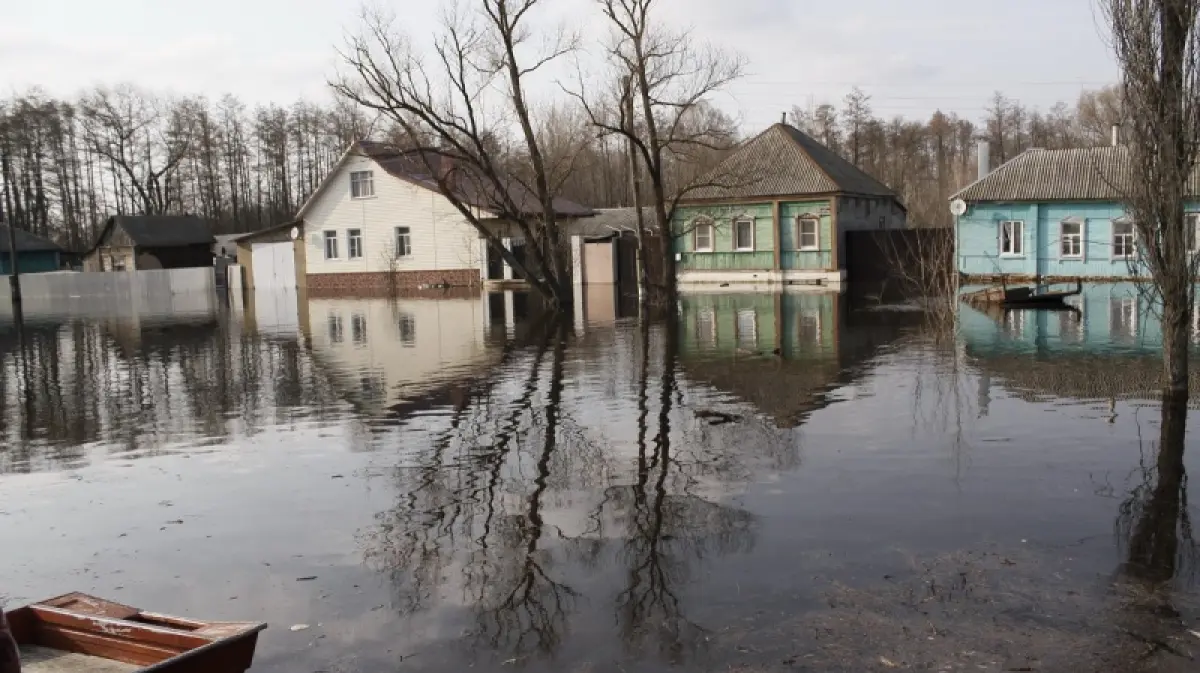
x=777 y=211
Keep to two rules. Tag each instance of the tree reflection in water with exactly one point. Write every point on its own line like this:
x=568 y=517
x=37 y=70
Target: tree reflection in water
x=474 y=507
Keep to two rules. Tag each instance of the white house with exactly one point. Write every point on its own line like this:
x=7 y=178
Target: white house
x=379 y=222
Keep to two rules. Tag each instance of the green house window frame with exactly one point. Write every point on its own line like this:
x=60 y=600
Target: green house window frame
x=707 y=236
x=803 y=223
x=738 y=223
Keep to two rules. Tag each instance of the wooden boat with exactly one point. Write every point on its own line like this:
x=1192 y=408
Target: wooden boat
x=77 y=632
x=1023 y=297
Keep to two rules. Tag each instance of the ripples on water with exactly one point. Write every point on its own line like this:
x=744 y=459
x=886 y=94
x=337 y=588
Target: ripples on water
x=766 y=482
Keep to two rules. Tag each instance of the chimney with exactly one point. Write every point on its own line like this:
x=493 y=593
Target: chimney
x=783 y=118
x=983 y=152
x=1116 y=135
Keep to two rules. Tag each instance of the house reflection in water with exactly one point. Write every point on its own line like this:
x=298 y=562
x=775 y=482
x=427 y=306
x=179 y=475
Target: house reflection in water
x=392 y=353
x=783 y=352
x=1106 y=347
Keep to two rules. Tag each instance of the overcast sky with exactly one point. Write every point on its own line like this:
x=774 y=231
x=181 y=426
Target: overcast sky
x=911 y=56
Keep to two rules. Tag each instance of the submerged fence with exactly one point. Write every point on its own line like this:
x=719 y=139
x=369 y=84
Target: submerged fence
x=165 y=291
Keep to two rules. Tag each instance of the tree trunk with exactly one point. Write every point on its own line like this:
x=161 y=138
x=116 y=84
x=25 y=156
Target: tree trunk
x=1176 y=340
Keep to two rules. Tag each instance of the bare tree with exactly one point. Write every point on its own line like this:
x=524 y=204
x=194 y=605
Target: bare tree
x=1157 y=44
x=143 y=144
x=448 y=101
x=670 y=79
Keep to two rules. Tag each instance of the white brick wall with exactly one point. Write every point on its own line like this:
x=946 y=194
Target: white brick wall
x=441 y=238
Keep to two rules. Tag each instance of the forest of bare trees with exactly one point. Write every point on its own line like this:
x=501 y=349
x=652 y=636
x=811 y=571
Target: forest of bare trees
x=65 y=165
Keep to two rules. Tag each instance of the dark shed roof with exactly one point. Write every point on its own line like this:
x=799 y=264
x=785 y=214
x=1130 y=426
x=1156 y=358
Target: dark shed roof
x=785 y=161
x=1085 y=174
x=27 y=242
x=161 y=231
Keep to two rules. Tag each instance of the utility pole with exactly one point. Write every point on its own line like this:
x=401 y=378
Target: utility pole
x=631 y=150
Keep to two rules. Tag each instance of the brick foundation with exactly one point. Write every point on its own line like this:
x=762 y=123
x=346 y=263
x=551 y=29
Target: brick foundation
x=383 y=282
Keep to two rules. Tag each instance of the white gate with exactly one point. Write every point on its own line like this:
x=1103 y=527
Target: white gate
x=274 y=265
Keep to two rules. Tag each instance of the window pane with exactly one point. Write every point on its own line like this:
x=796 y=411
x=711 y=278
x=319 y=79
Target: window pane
x=403 y=242
x=1071 y=228
x=704 y=237
x=354 y=243
x=407 y=325
x=358 y=328
x=331 y=245
x=1122 y=228
x=747 y=328
x=808 y=234
x=743 y=235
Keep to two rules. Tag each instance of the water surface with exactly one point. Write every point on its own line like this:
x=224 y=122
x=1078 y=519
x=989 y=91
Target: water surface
x=798 y=481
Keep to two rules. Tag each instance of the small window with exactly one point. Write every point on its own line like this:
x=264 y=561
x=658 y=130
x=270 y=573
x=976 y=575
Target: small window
x=1014 y=324
x=747 y=329
x=1071 y=239
x=1012 y=238
x=1123 y=318
x=808 y=327
x=362 y=184
x=706 y=327
x=1070 y=326
x=354 y=243
x=407 y=325
x=807 y=237
x=743 y=235
x=358 y=328
x=703 y=238
x=336 y=333
x=1192 y=221
x=1122 y=239
x=403 y=242
x=331 y=245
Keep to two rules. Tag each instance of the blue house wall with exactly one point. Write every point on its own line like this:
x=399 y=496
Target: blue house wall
x=31 y=262
x=979 y=240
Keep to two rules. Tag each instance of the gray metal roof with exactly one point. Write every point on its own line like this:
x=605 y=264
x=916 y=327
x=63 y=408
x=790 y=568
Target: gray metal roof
x=1087 y=174
x=784 y=161
x=26 y=242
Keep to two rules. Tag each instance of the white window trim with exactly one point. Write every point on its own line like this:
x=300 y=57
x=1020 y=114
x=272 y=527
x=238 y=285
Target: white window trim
x=710 y=315
x=1021 y=238
x=739 y=335
x=1194 y=218
x=1132 y=240
x=350 y=248
x=370 y=180
x=325 y=238
x=712 y=236
x=1062 y=237
x=817 y=231
x=1134 y=318
x=753 y=234
x=396 y=243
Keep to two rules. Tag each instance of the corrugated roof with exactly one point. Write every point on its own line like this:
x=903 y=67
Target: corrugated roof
x=419 y=167
x=26 y=242
x=163 y=231
x=1087 y=174
x=784 y=161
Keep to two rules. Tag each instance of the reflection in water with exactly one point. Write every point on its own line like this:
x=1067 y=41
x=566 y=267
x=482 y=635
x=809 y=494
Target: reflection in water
x=1155 y=518
x=138 y=386
x=762 y=479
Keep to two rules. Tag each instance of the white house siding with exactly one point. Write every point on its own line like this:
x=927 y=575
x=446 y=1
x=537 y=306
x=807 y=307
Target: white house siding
x=392 y=350
x=441 y=239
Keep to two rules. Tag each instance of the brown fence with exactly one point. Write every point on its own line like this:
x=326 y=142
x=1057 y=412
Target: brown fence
x=876 y=255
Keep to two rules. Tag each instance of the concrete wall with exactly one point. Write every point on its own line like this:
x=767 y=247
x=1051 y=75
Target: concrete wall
x=979 y=240
x=441 y=238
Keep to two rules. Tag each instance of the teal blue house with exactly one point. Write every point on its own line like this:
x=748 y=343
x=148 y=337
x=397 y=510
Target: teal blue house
x=34 y=253
x=1050 y=214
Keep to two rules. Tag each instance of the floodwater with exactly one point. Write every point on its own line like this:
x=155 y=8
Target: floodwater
x=767 y=482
